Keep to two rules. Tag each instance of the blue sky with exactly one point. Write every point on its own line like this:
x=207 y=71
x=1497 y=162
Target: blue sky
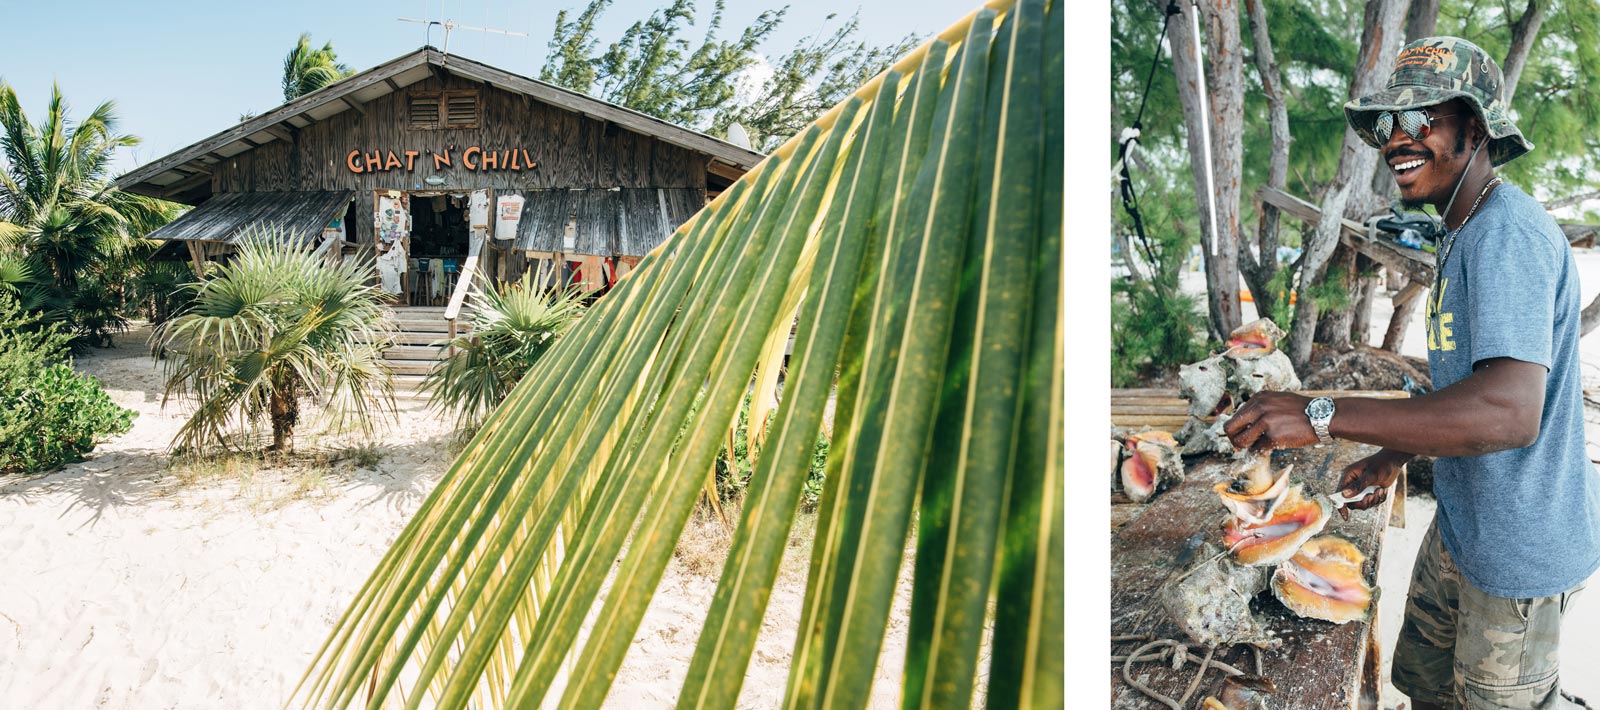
x=180 y=71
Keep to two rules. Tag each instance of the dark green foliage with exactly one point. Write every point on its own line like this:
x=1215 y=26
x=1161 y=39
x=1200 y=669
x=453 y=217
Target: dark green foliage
x=49 y=414
x=651 y=68
x=734 y=468
x=823 y=70
x=68 y=242
x=162 y=289
x=1316 y=45
x=1155 y=327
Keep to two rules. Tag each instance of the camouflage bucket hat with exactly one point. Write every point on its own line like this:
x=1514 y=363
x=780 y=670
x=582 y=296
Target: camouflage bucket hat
x=1433 y=70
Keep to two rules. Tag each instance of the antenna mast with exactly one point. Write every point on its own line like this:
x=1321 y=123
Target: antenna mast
x=449 y=25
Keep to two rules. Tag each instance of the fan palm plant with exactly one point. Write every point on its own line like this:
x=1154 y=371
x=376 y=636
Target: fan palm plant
x=275 y=326
x=305 y=69
x=512 y=326
x=917 y=231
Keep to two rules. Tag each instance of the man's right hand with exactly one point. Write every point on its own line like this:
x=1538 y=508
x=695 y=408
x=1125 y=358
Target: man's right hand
x=1380 y=469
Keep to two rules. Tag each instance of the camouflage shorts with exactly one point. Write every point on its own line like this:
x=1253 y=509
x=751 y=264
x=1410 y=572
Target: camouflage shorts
x=1461 y=647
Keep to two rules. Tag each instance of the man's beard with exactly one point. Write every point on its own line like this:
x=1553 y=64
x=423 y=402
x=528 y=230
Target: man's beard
x=1412 y=205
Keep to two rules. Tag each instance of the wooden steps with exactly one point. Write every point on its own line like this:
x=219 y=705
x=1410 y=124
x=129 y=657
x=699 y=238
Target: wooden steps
x=418 y=329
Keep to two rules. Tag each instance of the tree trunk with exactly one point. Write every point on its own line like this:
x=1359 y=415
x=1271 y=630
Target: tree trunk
x=1590 y=316
x=1421 y=18
x=1260 y=269
x=285 y=410
x=1405 y=308
x=1524 y=34
x=1333 y=328
x=1379 y=44
x=1361 y=319
x=1225 y=104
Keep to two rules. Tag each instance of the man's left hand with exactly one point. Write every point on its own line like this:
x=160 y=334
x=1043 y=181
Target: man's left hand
x=1271 y=420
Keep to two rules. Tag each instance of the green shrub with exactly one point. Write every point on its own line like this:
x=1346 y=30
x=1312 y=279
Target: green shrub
x=734 y=469
x=49 y=414
x=1153 y=330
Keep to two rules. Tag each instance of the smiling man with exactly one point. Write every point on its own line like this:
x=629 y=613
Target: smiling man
x=1517 y=531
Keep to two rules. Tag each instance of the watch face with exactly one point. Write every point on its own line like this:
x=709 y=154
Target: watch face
x=1320 y=408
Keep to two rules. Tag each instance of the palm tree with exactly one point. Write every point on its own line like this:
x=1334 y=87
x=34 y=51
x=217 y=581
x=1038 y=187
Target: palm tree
x=917 y=228
x=305 y=69
x=275 y=326
x=58 y=209
x=512 y=327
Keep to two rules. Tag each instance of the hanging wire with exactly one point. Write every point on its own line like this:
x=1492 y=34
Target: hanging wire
x=1130 y=138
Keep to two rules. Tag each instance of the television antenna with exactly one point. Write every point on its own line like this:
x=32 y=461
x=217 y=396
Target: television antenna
x=449 y=25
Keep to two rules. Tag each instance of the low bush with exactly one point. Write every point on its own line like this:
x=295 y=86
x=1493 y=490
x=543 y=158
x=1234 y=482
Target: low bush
x=49 y=414
x=735 y=467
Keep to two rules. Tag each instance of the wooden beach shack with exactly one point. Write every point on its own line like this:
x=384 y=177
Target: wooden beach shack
x=409 y=143
x=444 y=167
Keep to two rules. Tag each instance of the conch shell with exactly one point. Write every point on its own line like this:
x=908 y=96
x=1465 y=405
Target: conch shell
x=1152 y=465
x=1211 y=600
x=1205 y=385
x=1255 y=493
x=1201 y=438
x=1269 y=371
x=1294 y=521
x=1324 y=581
x=1254 y=339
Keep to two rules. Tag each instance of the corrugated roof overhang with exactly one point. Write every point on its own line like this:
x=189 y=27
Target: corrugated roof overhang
x=227 y=215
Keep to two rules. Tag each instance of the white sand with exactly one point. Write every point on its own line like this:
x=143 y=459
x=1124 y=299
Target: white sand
x=1580 y=650
x=126 y=585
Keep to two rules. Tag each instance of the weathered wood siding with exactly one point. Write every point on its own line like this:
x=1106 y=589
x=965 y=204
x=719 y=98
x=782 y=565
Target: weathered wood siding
x=572 y=151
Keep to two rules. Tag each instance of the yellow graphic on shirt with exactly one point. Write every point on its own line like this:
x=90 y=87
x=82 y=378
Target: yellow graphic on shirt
x=1439 y=332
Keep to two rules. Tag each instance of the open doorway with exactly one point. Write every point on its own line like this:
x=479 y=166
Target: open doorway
x=437 y=244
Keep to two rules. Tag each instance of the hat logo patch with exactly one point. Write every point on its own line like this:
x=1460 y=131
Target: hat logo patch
x=1428 y=57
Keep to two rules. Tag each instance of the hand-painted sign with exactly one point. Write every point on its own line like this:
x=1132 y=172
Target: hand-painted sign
x=473 y=158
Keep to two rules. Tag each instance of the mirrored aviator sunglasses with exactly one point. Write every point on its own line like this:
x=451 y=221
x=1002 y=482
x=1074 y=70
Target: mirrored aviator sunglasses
x=1417 y=123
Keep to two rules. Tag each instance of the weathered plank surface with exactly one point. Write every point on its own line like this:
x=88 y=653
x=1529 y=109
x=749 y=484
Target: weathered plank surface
x=1166 y=409
x=1384 y=250
x=1319 y=664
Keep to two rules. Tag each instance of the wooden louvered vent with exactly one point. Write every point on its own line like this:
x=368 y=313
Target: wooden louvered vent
x=444 y=109
x=461 y=109
x=425 y=110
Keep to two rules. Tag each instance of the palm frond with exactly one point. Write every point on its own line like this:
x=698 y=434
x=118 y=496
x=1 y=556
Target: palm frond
x=916 y=230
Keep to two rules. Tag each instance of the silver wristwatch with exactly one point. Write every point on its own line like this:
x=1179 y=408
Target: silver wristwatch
x=1320 y=412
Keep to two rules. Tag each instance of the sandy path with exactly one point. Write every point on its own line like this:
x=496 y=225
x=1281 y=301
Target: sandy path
x=124 y=584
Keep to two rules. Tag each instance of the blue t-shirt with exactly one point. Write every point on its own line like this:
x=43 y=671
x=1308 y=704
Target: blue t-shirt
x=1522 y=522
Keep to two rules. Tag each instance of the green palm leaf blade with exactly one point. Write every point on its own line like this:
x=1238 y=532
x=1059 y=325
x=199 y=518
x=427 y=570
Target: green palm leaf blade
x=901 y=405
x=490 y=455
x=722 y=655
x=751 y=315
x=844 y=498
x=974 y=434
x=687 y=361
x=1029 y=645
x=503 y=606
x=482 y=600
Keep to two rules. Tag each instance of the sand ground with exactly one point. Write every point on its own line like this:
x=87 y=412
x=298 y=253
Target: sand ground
x=129 y=582
x=1580 y=651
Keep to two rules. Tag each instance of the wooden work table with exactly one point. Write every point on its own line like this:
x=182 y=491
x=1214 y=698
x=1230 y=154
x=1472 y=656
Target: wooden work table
x=1319 y=664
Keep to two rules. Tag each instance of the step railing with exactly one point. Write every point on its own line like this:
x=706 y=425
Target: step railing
x=469 y=273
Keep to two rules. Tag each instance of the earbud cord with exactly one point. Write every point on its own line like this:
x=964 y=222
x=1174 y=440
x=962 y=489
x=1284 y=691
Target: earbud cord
x=1446 y=213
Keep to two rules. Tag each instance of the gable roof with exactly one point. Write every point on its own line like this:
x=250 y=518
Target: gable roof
x=189 y=167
